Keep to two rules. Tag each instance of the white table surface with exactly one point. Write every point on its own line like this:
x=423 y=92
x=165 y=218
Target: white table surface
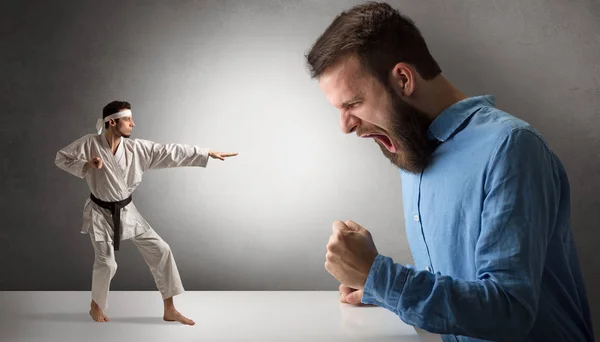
x=220 y=316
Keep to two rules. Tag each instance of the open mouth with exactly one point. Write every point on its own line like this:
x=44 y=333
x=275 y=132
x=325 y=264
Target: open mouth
x=382 y=140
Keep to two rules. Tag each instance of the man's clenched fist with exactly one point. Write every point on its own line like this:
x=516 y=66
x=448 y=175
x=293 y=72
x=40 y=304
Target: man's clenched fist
x=350 y=254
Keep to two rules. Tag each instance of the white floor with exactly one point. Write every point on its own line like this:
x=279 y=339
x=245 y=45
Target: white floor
x=219 y=316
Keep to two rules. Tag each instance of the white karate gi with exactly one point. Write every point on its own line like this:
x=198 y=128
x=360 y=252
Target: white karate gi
x=115 y=181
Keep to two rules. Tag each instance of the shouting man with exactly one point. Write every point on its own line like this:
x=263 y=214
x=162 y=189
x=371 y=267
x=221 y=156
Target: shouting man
x=113 y=167
x=485 y=199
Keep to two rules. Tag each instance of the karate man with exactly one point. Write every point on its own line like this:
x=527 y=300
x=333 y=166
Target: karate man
x=113 y=168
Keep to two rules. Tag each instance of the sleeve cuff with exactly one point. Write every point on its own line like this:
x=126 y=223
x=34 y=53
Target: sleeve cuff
x=84 y=169
x=384 y=283
x=79 y=169
x=204 y=157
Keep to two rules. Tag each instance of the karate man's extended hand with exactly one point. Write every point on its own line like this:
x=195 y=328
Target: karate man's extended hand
x=350 y=254
x=221 y=155
x=96 y=163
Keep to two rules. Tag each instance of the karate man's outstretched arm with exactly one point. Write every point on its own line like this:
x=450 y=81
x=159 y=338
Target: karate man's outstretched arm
x=160 y=156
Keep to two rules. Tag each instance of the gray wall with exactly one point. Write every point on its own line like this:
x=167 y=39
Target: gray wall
x=230 y=75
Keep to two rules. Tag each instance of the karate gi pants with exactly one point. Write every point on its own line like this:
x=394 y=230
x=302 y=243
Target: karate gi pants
x=155 y=251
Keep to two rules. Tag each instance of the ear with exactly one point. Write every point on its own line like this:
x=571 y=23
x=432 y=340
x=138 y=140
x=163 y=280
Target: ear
x=402 y=79
x=112 y=122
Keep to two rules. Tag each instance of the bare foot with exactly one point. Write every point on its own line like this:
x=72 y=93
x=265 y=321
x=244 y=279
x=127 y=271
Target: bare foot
x=97 y=313
x=173 y=315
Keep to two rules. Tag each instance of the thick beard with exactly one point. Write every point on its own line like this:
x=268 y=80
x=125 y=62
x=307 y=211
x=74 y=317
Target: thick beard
x=409 y=128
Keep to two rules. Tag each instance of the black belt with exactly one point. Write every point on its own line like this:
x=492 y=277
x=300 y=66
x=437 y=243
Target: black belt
x=115 y=211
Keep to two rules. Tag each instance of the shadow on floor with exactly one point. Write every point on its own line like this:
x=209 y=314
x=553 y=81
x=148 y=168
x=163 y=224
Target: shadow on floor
x=77 y=317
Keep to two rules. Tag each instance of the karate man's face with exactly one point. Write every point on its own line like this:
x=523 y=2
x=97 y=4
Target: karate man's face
x=123 y=126
x=371 y=110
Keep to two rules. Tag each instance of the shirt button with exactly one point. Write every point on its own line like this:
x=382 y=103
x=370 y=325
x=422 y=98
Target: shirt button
x=416 y=218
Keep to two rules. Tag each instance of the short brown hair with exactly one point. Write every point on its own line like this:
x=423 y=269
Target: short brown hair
x=379 y=36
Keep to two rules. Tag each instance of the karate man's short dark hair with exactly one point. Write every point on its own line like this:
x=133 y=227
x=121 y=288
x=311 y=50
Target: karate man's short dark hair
x=114 y=107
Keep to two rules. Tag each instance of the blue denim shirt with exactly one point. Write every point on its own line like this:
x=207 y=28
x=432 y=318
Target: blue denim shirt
x=489 y=230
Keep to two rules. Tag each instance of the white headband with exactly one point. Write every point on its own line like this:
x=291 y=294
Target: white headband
x=100 y=122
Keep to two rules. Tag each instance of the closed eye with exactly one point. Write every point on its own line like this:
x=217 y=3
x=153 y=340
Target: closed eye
x=350 y=105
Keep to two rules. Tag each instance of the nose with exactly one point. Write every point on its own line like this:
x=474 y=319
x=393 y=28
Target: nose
x=132 y=123
x=348 y=122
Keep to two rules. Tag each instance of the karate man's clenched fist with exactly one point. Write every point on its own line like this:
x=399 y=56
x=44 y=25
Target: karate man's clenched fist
x=350 y=254
x=96 y=163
